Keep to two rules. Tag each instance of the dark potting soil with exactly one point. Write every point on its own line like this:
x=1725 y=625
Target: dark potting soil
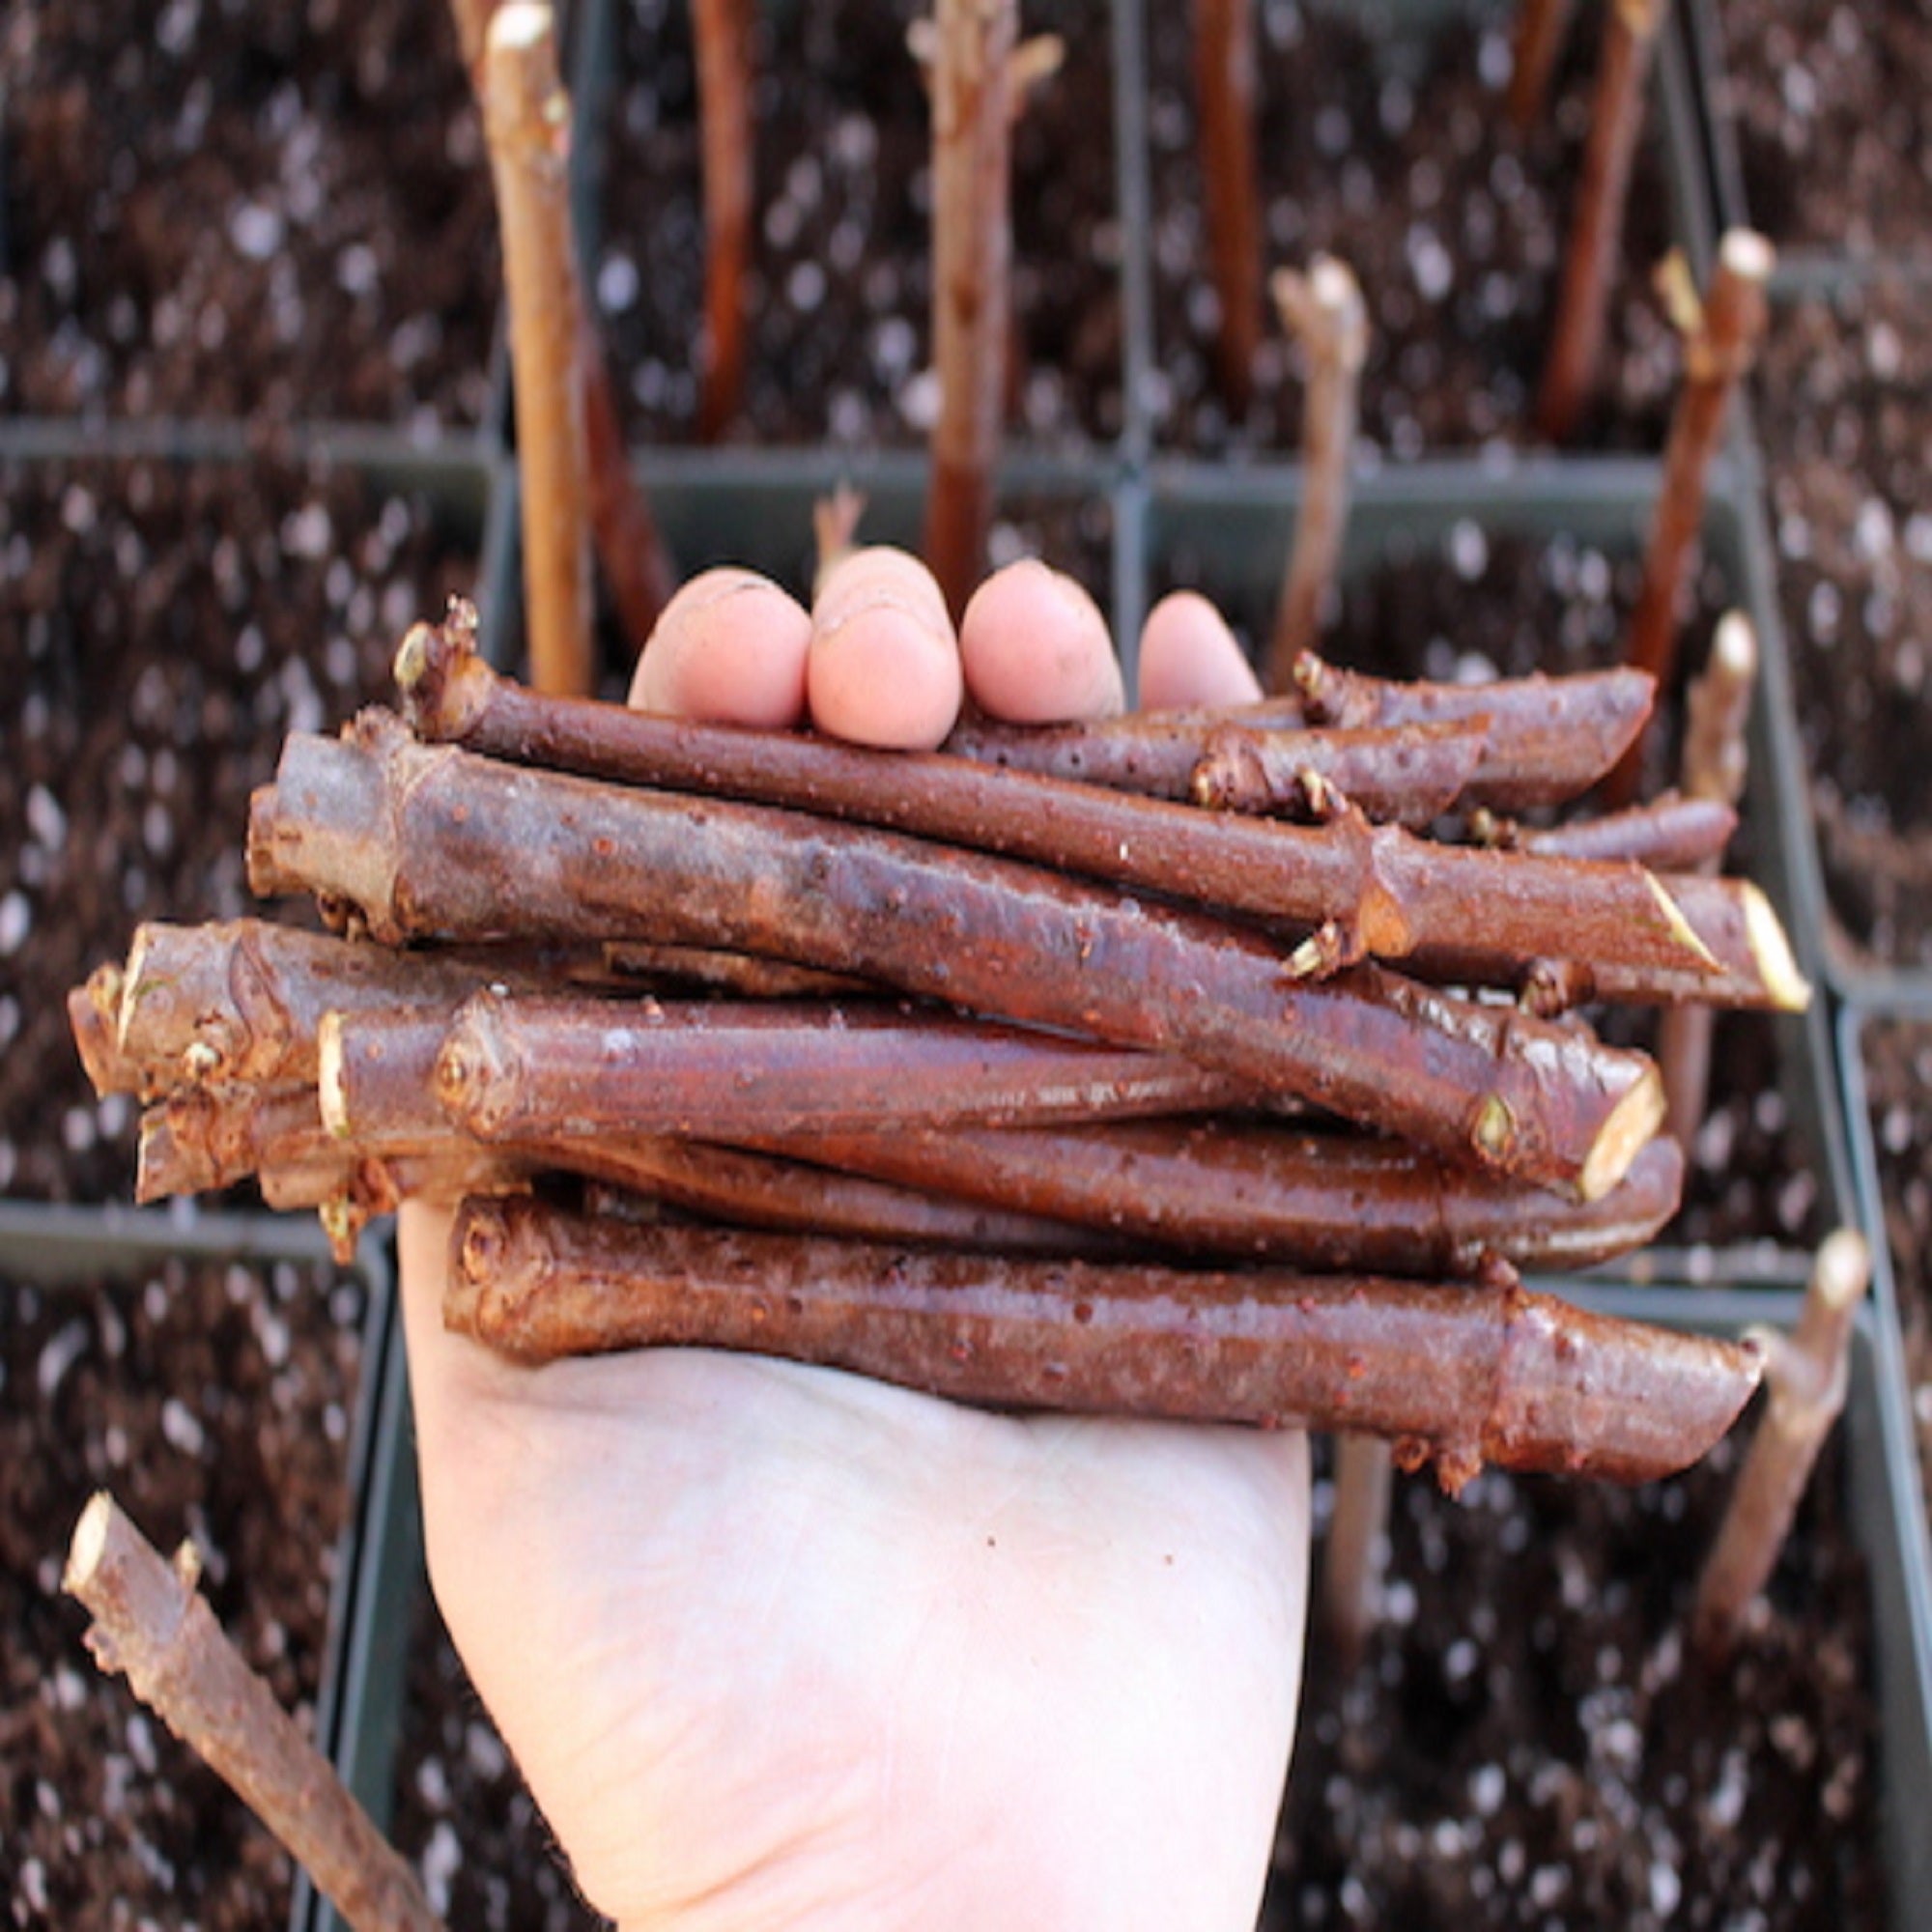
x=1482 y=604
x=1845 y=401
x=1453 y=226
x=1530 y=1742
x=214 y=1402
x=162 y=628
x=839 y=286
x=464 y=1817
x=1898 y=1081
x=1833 y=142
x=228 y=210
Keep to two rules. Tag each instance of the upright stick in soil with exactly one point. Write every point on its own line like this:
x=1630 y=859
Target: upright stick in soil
x=636 y=568
x=526 y=116
x=723 y=33
x=1225 y=95
x=152 y=1624
x=1806 y=1376
x=1538 y=40
x=1716 y=710
x=973 y=84
x=1721 y=344
x=1325 y=310
x=1630 y=28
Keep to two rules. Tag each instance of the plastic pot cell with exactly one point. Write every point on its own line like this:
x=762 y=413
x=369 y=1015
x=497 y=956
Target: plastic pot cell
x=162 y=626
x=1812 y=142
x=838 y=282
x=247 y=216
x=1383 y=138
x=1844 y=412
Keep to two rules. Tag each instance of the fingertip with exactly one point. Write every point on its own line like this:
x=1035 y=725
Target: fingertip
x=1191 y=656
x=883 y=667
x=730 y=648
x=1035 y=648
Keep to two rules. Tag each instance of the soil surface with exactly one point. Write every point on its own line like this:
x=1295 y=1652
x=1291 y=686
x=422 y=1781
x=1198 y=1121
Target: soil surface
x=1845 y=407
x=1898 y=1081
x=1407 y=169
x=218 y=211
x=839 y=287
x=1531 y=1743
x=216 y=1402
x=162 y=628
x=1479 y=605
x=1835 y=153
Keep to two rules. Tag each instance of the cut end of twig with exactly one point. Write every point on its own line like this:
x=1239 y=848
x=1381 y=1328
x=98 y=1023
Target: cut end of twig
x=1325 y=309
x=1788 y=988
x=332 y=1087
x=89 y=1544
x=1633 y=1123
x=1842 y=1269
x=519 y=25
x=1682 y=932
x=1734 y=648
x=1747 y=255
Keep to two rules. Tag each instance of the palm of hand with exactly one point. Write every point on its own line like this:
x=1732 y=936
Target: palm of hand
x=776 y=1646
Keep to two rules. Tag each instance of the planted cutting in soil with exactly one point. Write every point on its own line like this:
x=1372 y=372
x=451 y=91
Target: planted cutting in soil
x=1454 y=227
x=160 y=629
x=839 y=286
x=1846 y=413
x=230 y=211
x=216 y=1402
x=1529 y=1741
x=1834 y=151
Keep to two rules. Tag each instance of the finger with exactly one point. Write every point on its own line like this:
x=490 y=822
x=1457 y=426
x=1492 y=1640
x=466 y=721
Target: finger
x=1189 y=656
x=884 y=663
x=1034 y=649
x=729 y=647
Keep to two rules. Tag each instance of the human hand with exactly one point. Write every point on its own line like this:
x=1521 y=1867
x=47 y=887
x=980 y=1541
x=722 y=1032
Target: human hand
x=776 y=1645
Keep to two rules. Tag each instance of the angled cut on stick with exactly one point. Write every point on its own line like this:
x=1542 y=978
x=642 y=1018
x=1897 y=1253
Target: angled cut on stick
x=1458 y=1375
x=427 y=840
x=973 y=87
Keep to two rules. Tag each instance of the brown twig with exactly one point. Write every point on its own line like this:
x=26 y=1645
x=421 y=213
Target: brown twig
x=1226 y=93
x=1357 y=1547
x=548 y=1069
x=1252 y=1191
x=1538 y=42
x=1669 y=834
x=1805 y=1376
x=527 y=119
x=152 y=1624
x=1460 y=1373
x=972 y=106
x=1630 y=28
x=1325 y=311
x=722 y=31
x=432 y=841
x=1721 y=345
x=243 y=1002
x=1376 y=889
x=1716 y=710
